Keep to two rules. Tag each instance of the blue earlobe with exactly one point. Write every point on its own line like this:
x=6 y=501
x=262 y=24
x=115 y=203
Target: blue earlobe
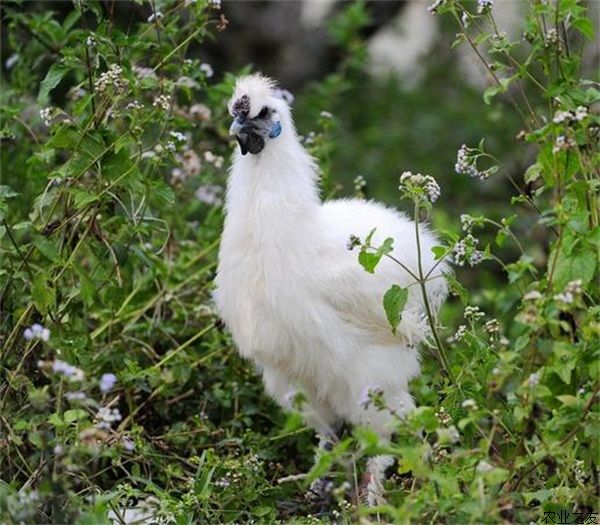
x=275 y=130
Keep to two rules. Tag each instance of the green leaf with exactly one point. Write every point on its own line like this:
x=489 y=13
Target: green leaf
x=533 y=173
x=74 y=414
x=577 y=265
x=585 y=26
x=55 y=74
x=42 y=293
x=369 y=260
x=394 y=302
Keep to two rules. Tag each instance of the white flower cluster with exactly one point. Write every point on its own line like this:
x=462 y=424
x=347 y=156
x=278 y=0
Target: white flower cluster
x=465 y=251
x=69 y=371
x=111 y=79
x=178 y=136
x=443 y=416
x=533 y=379
x=190 y=165
x=465 y=165
x=532 y=295
x=360 y=184
x=36 y=331
x=107 y=416
x=326 y=114
x=563 y=143
x=134 y=106
x=76 y=396
x=210 y=194
x=469 y=404
x=473 y=314
x=551 y=36
x=216 y=160
x=46 y=115
x=460 y=333
x=483 y=6
x=207 y=70
x=568 y=117
x=163 y=102
x=572 y=290
x=467 y=222
x=411 y=181
x=492 y=326
x=90 y=41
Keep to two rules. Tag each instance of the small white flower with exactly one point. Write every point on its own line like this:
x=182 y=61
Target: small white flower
x=209 y=194
x=580 y=113
x=473 y=313
x=412 y=181
x=71 y=372
x=134 y=105
x=533 y=379
x=75 y=396
x=90 y=41
x=163 y=102
x=563 y=143
x=128 y=444
x=106 y=416
x=111 y=79
x=207 y=70
x=483 y=6
x=492 y=326
x=469 y=404
x=107 y=382
x=46 y=115
x=564 y=297
x=37 y=331
x=177 y=135
x=460 y=332
x=326 y=114
x=532 y=295
x=465 y=251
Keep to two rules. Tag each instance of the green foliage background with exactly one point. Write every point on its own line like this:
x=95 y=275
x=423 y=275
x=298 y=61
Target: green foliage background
x=108 y=247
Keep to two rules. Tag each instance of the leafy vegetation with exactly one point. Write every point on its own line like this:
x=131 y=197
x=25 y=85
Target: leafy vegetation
x=118 y=386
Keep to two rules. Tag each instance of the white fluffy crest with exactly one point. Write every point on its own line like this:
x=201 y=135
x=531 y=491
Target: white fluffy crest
x=257 y=87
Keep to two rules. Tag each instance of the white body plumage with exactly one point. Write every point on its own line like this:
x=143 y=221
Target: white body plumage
x=295 y=298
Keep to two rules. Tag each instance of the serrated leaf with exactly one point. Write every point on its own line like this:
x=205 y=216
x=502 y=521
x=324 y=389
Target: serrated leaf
x=577 y=265
x=394 y=302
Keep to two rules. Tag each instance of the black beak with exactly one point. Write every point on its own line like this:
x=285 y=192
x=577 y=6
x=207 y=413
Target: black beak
x=248 y=137
x=250 y=141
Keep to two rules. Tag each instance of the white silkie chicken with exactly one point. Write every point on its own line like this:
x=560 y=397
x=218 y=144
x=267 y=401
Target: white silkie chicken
x=295 y=298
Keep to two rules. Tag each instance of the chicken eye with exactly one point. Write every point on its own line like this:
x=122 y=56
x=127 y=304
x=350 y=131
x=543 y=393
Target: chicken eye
x=263 y=112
